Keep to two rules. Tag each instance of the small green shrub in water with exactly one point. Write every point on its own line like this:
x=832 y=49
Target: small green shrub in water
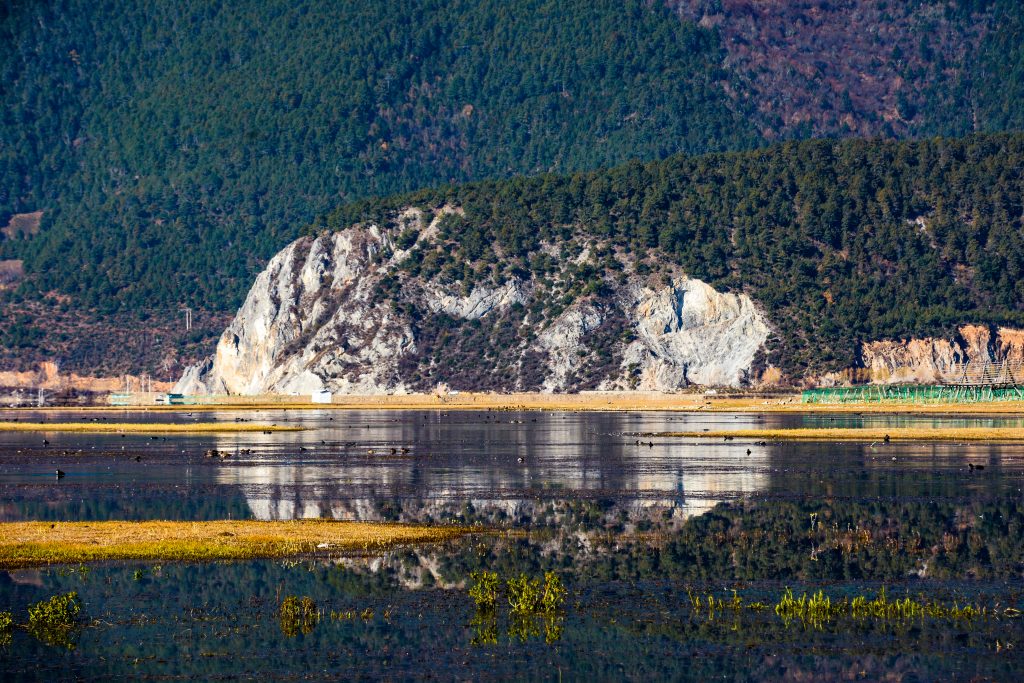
x=528 y=596
x=554 y=593
x=484 y=590
x=533 y=605
x=524 y=594
x=298 y=615
x=53 y=621
x=6 y=627
x=817 y=608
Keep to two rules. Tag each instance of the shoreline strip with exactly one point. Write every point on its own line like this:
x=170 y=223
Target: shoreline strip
x=33 y=544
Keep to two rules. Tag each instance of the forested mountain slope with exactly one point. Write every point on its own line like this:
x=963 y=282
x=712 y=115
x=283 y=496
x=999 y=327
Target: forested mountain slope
x=574 y=282
x=173 y=146
x=142 y=127
x=871 y=67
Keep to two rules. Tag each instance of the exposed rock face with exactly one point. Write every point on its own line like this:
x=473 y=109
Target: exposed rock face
x=932 y=360
x=293 y=335
x=479 y=302
x=337 y=312
x=689 y=332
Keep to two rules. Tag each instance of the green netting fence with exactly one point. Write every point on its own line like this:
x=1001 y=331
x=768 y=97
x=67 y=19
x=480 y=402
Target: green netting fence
x=910 y=393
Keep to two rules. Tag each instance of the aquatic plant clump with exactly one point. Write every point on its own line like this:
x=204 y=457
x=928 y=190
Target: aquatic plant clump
x=817 y=608
x=53 y=621
x=554 y=593
x=484 y=590
x=535 y=607
x=6 y=627
x=528 y=596
x=524 y=594
x=298 y=615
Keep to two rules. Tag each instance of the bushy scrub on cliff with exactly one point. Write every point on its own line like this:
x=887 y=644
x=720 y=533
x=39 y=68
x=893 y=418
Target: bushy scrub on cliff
x=839 y=242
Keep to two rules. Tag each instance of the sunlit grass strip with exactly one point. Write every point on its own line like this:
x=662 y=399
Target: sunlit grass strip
x=144 y=427
x=867 y=434
x=31 y=544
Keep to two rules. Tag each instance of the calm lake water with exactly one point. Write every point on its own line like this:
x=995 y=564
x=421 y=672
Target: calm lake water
x=632 y=529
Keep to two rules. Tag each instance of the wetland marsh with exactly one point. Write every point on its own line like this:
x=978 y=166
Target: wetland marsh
x=606 y=557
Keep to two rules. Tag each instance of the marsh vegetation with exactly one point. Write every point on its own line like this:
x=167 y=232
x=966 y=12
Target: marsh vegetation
x=535 y=607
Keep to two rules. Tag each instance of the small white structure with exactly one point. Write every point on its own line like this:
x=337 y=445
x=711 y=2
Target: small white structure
x=322 y=396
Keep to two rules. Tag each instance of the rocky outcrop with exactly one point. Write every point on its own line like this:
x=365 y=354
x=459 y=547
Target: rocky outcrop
x=479 y=302
x=339 y=312
x=49 y=378
x=311 y=321
x=690 y=333
x=932 y=360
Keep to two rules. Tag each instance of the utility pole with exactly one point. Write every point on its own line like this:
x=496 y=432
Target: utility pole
x=188 y=319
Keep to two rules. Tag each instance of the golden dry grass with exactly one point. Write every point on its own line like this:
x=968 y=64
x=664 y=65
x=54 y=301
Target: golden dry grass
x=143 y=427
x=867 y=434
x=30 y=544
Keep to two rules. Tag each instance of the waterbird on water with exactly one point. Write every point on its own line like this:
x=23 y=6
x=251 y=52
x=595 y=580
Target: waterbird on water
x=60 y=474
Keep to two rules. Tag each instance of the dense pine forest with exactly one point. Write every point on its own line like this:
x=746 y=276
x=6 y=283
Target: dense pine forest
x=840 y=241
x=173 y=146
x=142 y=127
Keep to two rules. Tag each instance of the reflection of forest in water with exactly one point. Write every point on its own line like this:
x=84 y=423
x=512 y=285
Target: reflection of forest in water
x=763 y=541
x=628 y=606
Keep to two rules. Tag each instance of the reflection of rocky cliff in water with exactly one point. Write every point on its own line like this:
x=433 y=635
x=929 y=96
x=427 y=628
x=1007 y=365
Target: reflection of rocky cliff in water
x=414 y=492
x=502 y=473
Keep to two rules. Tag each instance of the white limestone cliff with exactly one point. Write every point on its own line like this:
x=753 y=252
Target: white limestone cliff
x=315 y=319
